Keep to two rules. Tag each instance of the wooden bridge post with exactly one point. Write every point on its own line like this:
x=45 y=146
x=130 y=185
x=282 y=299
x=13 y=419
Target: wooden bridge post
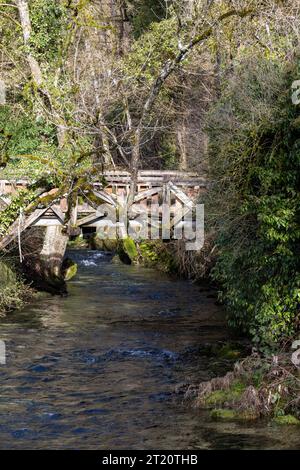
x=166 y=201
x=52 y=255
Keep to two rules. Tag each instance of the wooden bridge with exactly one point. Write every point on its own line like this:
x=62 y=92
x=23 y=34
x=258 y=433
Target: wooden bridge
x=165 y=195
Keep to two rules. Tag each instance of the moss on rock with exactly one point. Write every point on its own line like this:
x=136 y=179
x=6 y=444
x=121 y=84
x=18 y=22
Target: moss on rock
x=226 y=414
x=220 y=397
x=157 y=254
x=259 y=386
x=78 y=243
x=286 y=420
x=69 y=269
x=130 y=248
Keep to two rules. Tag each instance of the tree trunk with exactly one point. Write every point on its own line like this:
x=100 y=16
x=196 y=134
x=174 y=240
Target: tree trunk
x=187 y=8
x=218 y=71
x=26 y=28
x=49 y=265
x=35 y=69
x=124 y=29
x=44 y=251
x=134 y=167
x=102 y=139
x=181 y=138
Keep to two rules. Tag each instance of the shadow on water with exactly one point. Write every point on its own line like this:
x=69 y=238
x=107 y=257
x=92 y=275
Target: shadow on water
x=97 y=369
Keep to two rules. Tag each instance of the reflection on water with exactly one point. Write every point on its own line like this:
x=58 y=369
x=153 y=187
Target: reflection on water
x=97 y=370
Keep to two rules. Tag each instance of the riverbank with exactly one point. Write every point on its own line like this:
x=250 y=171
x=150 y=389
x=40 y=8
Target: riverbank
x=257 y=387
x=14 y=292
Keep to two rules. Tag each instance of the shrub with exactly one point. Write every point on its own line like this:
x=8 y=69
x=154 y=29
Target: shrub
x=255 y=157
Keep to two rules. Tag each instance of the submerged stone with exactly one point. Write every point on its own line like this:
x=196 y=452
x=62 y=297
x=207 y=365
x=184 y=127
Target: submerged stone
x=286 y=420
x=226 y=414
x=116 y=260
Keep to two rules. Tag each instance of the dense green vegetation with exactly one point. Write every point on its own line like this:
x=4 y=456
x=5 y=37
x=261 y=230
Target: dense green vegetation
x=255 y=162
x=142 y=14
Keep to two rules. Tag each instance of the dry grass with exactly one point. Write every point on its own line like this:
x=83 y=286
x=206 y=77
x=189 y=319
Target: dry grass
x=260 y=386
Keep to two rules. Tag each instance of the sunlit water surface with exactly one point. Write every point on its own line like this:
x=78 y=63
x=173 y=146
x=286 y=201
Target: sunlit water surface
x=97 y=369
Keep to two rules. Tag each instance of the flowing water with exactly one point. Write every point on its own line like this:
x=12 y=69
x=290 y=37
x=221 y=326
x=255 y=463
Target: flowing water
x=97 y=369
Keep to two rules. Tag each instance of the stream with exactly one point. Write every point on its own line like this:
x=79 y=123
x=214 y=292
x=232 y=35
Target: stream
x=98 y=369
